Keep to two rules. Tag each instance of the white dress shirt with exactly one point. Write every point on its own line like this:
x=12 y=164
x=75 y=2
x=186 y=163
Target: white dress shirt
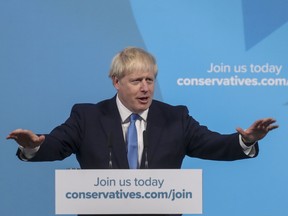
x=140 y=123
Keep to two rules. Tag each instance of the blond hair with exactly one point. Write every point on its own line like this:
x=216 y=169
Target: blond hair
x=132 y=59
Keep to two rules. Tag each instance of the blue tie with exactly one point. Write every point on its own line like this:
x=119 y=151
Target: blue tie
x=132 y=142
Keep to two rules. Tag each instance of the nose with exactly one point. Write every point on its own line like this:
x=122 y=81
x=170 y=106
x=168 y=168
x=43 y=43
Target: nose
x=144 y=86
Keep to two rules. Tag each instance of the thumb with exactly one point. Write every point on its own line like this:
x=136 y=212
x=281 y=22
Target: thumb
x=240 y=130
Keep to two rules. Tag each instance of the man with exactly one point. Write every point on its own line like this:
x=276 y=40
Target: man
x=97 y=133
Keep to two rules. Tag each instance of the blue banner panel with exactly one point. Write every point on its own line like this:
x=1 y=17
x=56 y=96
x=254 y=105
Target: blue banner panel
x=225 y=60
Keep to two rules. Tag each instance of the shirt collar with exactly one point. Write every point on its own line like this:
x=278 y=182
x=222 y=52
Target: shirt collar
x=125 y=112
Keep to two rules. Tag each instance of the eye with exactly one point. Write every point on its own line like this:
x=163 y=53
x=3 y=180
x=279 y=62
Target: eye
x=149 y=80
x=136 y=81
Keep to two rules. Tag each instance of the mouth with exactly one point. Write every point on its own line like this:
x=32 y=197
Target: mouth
x=143 y=100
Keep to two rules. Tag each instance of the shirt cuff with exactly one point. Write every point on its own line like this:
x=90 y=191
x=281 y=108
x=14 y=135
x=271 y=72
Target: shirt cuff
x=248 y=150
x=28 y=153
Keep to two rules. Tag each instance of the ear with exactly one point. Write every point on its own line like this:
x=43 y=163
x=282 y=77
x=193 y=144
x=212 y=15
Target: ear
x=115 y=82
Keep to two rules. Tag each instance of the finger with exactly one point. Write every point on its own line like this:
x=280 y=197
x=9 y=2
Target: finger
x=262 y=124
x=267 y=121
x=11 y=137
x=272 y=127
x=15 y=133
x=267 y=125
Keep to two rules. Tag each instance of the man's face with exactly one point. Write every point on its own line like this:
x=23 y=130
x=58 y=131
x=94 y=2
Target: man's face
x=135 y=90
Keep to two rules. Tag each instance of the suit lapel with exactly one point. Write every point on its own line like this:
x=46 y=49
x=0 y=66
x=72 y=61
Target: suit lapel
x=155 y=124
x=111 y=122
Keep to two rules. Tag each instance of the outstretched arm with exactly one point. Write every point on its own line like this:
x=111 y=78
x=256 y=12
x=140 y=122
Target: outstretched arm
x=257 y=131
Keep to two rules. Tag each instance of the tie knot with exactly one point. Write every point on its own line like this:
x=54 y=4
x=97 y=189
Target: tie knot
x=133 y=117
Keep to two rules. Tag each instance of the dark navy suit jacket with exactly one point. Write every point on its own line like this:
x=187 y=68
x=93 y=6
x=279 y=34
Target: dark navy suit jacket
x=171 y=135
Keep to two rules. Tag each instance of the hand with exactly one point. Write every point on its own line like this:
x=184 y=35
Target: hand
x=258 y=130
x=26 y=138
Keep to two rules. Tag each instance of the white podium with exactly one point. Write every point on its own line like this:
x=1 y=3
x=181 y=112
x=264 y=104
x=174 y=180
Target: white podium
x=160 y=191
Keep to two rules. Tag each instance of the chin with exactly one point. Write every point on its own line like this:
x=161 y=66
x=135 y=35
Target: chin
x=141 y=109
